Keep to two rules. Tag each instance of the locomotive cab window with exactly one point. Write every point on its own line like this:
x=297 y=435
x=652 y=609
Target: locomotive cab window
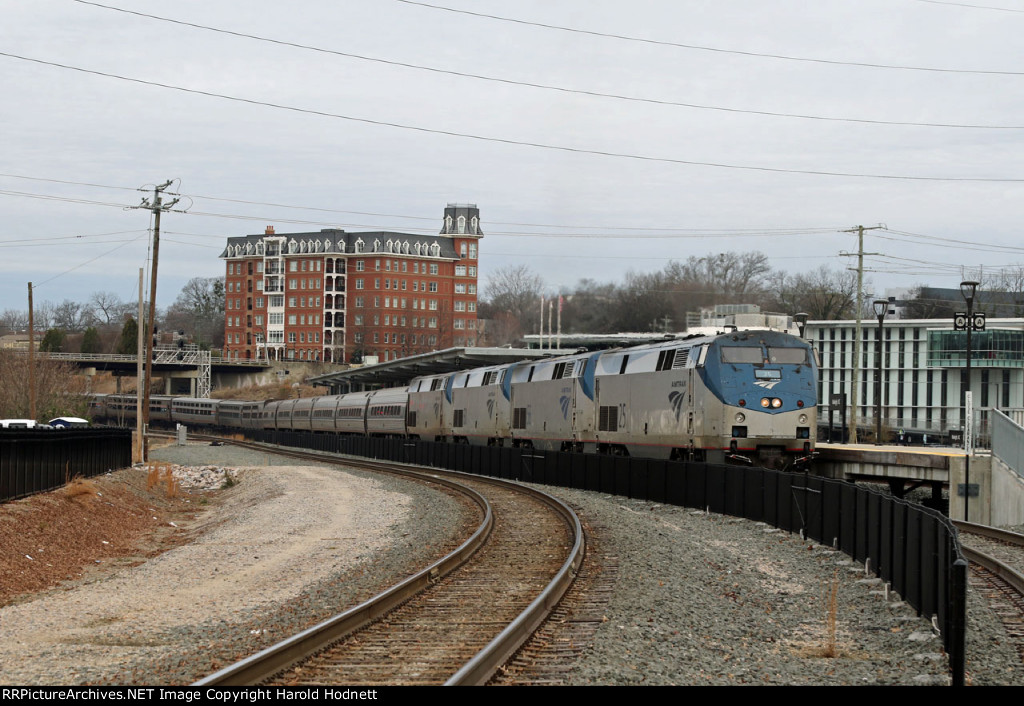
x=793 y=356
x=742 y=354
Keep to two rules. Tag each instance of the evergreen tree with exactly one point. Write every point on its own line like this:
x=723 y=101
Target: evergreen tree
x=53 y=341
x=91 y=341
x=129 y=343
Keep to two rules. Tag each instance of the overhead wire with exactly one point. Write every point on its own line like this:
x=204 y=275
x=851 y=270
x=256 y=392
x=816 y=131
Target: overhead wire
x=971 y=6
x=698 y=47
x=548 y=87
x=663 y=231
x=83 y=264
x=520 y=143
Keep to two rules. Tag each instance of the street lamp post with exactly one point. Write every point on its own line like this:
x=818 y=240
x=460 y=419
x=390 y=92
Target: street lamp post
x=968 y=289
x=800 y=319
x=880 y=307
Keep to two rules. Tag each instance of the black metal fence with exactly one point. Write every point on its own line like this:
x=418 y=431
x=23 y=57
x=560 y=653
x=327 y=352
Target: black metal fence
x=33 y=461
x=913 y=548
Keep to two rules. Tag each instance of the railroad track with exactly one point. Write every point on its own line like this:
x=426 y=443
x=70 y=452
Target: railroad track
x=455 y=622
x=997 y=558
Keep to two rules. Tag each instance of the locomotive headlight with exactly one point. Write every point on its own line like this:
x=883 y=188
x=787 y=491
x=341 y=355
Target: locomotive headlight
x=765 y=402
x=740 y=417
x=776 y=403
x=802 y=419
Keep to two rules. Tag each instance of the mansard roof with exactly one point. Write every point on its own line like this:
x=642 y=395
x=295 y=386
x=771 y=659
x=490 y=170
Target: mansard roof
x=332 y=241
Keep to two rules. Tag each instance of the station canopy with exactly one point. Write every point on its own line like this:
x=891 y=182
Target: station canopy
x=397 y=373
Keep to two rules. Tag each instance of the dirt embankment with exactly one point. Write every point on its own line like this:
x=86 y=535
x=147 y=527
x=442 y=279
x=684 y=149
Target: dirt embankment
x=88 y=527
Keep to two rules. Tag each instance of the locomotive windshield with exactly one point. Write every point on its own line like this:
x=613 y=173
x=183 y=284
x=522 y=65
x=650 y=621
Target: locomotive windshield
x=742 y=354
x=795 y=356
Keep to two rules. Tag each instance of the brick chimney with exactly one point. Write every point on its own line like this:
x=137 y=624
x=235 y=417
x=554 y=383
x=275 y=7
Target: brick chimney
x=270 y=230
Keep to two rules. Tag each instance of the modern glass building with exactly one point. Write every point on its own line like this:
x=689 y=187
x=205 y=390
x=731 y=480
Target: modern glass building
x=923 y=373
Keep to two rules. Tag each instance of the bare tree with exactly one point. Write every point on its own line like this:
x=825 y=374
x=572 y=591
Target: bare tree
x=44 y=315
x=108 y=308
x=723 y=278
x=70 y=316
x=59 y=391
x=13 y=320
x=199 y=309
x=642 y=303
x=513 y=297
x=590 y=308
x=514 y=290
x=823 y=294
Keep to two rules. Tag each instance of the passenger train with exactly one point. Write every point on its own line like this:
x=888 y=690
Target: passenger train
x=745 y=397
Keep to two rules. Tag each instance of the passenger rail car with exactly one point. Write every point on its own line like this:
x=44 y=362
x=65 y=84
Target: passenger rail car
x=743 y=397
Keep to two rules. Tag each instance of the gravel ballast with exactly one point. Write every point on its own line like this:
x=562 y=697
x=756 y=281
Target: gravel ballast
x=710 y=599
x=698 y=599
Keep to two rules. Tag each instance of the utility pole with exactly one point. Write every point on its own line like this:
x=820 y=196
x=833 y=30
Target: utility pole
x=140 y=346
x=31 y=358
x=859 y=230
x=156 y=207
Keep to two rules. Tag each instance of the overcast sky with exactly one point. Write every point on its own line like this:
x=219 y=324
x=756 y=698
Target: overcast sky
x=653 y=130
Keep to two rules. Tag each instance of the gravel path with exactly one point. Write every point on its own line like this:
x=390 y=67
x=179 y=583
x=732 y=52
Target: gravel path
x=699 y=598
x=262 y=565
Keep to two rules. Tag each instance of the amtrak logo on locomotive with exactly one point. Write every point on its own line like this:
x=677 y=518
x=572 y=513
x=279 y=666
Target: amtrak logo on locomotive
x=676 y=399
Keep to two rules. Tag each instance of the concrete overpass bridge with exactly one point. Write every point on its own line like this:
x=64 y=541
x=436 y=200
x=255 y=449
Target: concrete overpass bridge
x=994 y=489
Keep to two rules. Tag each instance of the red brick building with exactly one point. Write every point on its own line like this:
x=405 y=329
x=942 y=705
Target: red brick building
x=338 y=296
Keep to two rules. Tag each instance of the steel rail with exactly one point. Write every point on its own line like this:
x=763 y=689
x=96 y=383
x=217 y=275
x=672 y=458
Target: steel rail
x=990 y=532
x=1012 y=577
x=484 y=664
x=482 y=667
x=289 y=651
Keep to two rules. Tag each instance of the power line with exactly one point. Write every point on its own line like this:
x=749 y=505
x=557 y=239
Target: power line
x=973 y=7
x=47 y=242
x=67 y=199
x=661 y=232
x=548 y=87
x=940 y=242
x=83 y=264
x=697 y=47
x=519 y=143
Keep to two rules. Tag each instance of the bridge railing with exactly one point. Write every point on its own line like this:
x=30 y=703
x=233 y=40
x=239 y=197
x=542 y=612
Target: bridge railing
x=1007 y=441
x=163 y=355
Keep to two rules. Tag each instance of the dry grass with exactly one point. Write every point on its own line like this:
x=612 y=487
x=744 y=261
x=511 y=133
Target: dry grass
x=162 y=474
x=827 y=645
x=80 y=487
x=87 y=526
x=832 y=608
